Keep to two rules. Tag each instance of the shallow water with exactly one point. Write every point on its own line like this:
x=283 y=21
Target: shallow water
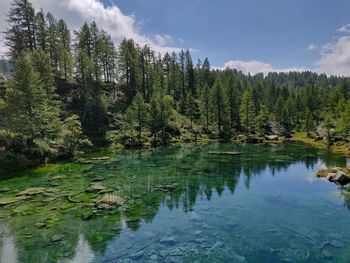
x=182 y=205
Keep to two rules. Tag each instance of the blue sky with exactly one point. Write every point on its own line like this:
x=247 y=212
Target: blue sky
x=251 y=35
x=276 y=31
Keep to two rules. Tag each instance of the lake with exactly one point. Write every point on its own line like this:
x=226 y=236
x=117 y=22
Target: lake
x=181 y=204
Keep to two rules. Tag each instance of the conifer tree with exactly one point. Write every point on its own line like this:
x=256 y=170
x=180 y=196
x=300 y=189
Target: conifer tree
x=218 y=103
x=247 y=113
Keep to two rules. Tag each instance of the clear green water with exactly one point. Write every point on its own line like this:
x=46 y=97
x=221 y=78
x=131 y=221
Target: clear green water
x=183 y=205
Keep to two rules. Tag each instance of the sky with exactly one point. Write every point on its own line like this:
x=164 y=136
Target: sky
x=250 y=35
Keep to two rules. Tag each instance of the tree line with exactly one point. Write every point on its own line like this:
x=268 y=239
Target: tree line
x=70 y=90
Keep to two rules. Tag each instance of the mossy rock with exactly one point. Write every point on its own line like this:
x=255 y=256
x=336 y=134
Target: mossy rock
x=21 y=209
x=8 y=200
x=96 y=188
x=57 y=237
x=112 y=200
x=33 y=191
x=4 y=190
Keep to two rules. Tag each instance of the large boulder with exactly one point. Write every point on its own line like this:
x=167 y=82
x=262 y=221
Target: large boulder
x=275 y=128
x=340 y=178
x=111 y=200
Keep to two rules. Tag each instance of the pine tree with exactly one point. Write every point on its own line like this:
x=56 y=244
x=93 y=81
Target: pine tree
x=218 y=103
x=30 y=111
x=65 y=60
x=247 y=113
x=233 y=108
x=262 y=119
x=41 y=30
x=20 y=36
x=137 y=112
x=205 y=105
x=190 y=107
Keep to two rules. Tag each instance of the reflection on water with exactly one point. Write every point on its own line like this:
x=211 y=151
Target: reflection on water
x=8 y=249
x=83 y=251
x=182 y=205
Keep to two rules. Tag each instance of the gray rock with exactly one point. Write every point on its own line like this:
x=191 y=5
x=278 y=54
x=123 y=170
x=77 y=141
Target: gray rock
x=271 y=137
x=340 y=178
x=275 y=128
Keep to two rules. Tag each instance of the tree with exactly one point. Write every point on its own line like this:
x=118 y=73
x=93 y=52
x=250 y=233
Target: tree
x=205 y=105
x=190 y=107
x=41 y=30
x=247 y=113
x=262 y=119
x=343 y=122
x=20 y=37
x=161 y=111
x=65 y=60
x=137 y=112
x=218 y=103
x=233 y=108
x=30 y=111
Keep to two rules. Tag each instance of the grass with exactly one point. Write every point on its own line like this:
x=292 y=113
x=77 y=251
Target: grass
x=340 y=147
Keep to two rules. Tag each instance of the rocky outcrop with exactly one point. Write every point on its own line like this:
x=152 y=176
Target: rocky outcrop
x=337 y=175
x=275 y=128
x=340 y=178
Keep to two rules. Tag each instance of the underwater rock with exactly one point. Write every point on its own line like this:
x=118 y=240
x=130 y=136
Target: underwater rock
x=132 y=219
x=94 y=160
x=326 y=254
x=112 y=200
x=137 y=255
x=33 y=191
x=4 y=190
x=104 y=206
x=168 y=240
x=8 y=200
x=40 y=225
x=103 y=158
x=57 y=177
x=86 y=217
x=239 y=258
x=21 y=209
x=95 y=188
x=97 y=179
x=56 y=238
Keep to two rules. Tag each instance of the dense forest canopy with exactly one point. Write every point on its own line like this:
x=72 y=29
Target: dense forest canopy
x=71 y=90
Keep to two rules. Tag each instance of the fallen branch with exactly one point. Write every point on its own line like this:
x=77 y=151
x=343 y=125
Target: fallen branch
x=301 y=234
x=225 y=153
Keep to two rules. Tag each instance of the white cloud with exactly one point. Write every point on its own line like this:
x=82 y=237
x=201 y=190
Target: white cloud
x=344 y=29
x=312 y=47
x=111 y=18
x=162 y=39
x=335 y=58
x=254 y=67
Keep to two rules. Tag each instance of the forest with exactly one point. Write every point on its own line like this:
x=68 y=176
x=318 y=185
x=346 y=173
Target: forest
x=70 y=91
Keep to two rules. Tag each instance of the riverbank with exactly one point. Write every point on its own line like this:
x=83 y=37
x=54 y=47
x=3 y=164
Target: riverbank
x=339 y=147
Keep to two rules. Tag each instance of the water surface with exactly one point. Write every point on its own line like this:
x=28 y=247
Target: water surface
x=182 y=205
